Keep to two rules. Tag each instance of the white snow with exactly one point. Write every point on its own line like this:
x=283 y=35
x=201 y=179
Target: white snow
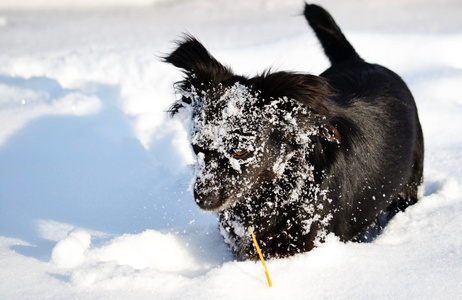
x=94 y=175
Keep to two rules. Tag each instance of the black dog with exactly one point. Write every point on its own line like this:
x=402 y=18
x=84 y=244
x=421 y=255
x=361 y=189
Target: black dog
x=298 y=156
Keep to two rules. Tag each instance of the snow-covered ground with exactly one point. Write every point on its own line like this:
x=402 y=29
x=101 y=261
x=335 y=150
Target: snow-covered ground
x=94 y=175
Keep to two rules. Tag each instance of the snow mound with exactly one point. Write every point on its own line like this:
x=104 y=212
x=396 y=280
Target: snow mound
x=69 y=253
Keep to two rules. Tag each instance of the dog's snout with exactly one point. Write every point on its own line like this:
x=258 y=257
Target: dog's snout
x=207 y=199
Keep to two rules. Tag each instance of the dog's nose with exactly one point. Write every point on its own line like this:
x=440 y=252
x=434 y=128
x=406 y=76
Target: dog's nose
x=210 y=201
x=205 y=203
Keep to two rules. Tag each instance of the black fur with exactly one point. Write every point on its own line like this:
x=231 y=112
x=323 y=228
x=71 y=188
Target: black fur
x=300 y=156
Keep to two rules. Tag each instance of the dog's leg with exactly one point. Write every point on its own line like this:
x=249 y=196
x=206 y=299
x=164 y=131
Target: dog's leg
x=336 y=46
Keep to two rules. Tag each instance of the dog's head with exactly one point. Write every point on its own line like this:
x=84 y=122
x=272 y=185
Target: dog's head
x=245 y=130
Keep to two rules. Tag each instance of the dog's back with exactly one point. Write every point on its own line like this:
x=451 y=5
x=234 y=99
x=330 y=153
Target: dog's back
x=384 y=129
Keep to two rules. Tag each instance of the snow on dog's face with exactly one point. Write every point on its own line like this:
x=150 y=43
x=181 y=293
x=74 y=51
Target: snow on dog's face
x=244 y=131
x=240 y=143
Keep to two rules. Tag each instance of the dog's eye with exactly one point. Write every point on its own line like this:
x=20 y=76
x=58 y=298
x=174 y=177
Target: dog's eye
x=239 y=153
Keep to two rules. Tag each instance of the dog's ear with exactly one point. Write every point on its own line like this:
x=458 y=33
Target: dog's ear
x=321 y=126
x=316 y=110
x=330 y=133
x=311 y=100
x=195 y=60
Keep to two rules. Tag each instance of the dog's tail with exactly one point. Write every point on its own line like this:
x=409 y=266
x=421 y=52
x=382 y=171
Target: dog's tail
x=336 y=46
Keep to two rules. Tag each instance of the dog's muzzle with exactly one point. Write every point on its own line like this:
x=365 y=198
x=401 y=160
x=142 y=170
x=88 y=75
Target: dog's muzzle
x=210 y=198
x=211 y=202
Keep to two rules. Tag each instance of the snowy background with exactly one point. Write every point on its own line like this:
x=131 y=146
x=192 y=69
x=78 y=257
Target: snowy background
x=94 y=175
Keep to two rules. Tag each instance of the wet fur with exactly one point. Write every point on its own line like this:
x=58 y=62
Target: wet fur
x=362 y=164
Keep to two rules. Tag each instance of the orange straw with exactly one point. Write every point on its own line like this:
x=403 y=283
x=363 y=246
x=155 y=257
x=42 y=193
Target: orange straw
x=261 y=257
